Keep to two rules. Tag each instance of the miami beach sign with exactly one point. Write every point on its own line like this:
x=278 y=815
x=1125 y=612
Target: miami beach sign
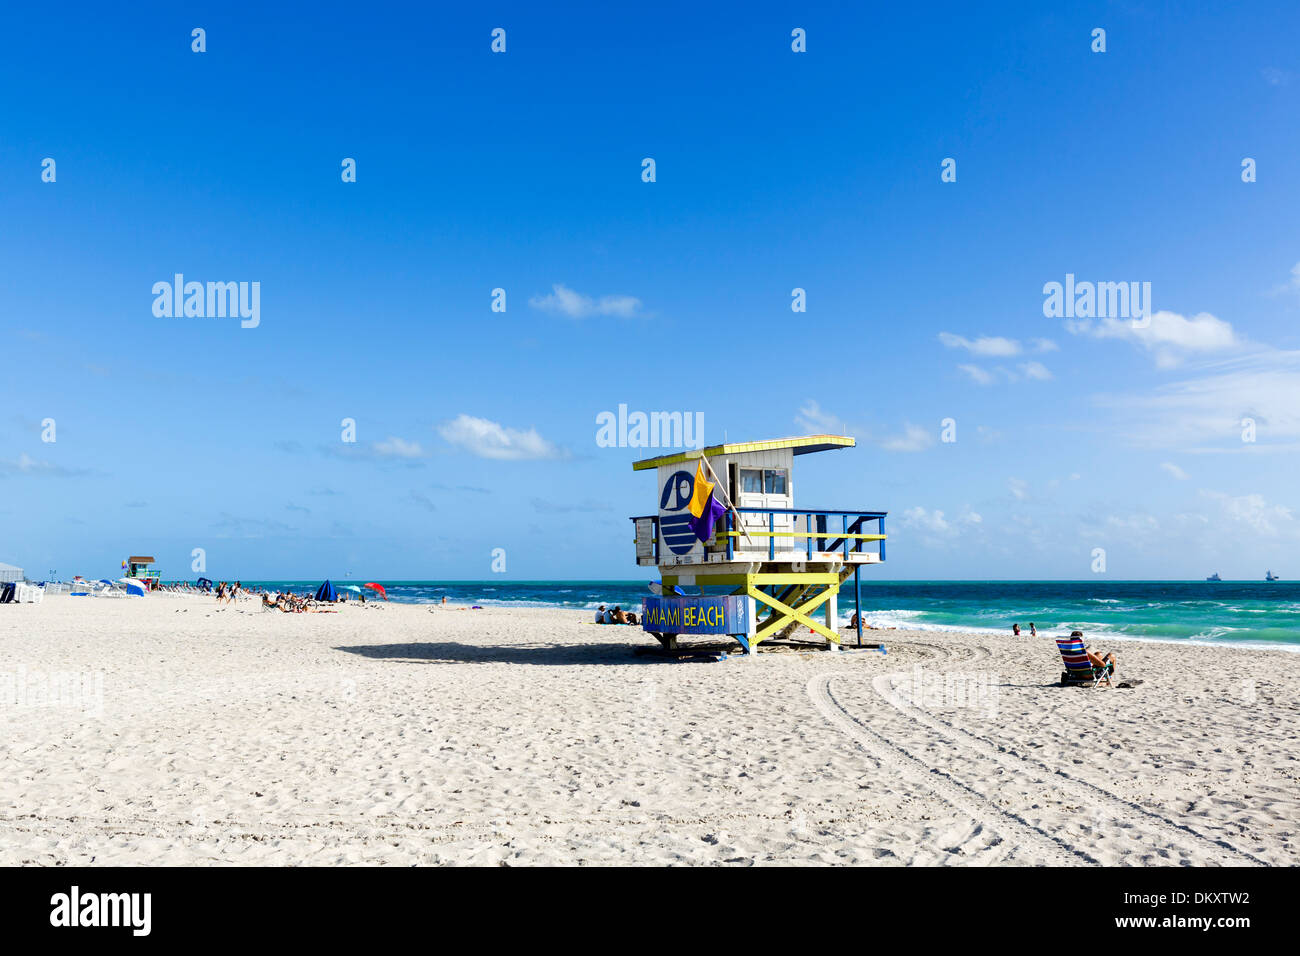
x=731 y=614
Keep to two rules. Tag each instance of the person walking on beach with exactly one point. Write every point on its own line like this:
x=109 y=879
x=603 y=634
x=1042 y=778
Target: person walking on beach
x=1033 y=631
x=1015 y=630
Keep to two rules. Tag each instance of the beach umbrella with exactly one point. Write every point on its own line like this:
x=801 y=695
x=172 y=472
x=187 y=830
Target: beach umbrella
x=133 y=586
x=377 y=587
x=326 y=592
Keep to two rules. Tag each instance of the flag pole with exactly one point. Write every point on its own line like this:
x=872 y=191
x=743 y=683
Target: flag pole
x=726 y=497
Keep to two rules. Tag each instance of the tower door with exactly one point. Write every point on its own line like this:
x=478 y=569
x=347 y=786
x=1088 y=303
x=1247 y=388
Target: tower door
x=765 y=488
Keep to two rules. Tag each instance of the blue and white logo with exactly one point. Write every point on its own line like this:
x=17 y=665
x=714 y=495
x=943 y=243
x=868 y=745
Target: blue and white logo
x=676 y=528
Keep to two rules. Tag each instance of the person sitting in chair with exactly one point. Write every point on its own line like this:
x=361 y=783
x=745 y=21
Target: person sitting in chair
x=1106 y=663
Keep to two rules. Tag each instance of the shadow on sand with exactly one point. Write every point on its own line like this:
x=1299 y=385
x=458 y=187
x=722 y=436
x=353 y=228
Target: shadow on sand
x=449 y=652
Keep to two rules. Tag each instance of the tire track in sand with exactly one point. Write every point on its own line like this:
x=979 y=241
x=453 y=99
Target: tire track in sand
x=1084 y=791
x=972 y=803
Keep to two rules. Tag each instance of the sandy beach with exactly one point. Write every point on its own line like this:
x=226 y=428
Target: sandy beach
x=397 y=734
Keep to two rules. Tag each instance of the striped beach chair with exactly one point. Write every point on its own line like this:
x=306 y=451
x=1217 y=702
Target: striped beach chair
x=1078 y=669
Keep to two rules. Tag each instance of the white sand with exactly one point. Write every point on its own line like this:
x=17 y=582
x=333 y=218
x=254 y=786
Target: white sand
x=401 y=735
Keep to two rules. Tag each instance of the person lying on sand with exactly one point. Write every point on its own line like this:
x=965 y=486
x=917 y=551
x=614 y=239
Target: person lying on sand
x=1106 y=663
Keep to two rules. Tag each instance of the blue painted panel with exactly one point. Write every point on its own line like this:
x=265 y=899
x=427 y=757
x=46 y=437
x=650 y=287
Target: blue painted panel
x=724 y=614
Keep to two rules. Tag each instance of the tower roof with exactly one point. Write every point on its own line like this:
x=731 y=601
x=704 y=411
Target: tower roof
x=800 y=446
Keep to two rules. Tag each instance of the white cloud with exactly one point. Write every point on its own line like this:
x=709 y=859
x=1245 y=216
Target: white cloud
x=1258 y=387
x=575 y=305
x=1174 y=470
x=811 y=417
x=932 y=521
x=1253 y=512
x=1044 y=345
x=1138 y=528
x=488 y=439
x=935 y=525
x=25 y=464
x=914 y=438
x=978 y=375
x=1172 y=337
x=1019 y=488
x=1208 y=409
x=394 y=447
x=1031 y=370
x=985 y=345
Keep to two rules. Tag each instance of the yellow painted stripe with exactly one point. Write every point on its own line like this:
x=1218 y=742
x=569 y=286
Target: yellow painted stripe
x=795 y=577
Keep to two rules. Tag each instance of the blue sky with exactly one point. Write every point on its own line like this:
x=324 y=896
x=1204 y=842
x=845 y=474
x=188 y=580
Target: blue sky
x=775 y=170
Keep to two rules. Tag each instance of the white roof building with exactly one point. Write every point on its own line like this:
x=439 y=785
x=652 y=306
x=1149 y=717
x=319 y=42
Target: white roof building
x=10 y=573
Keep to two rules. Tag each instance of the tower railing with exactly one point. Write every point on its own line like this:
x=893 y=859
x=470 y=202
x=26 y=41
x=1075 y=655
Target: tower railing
x=782 y=534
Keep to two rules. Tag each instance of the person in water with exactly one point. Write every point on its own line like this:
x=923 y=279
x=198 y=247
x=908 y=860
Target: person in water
x=1015 y=630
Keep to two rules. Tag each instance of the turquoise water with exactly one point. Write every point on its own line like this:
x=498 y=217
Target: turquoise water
x=1231 y=612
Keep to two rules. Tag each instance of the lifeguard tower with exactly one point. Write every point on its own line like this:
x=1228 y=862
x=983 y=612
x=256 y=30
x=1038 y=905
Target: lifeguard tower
x=768 y=566
x=141 y=567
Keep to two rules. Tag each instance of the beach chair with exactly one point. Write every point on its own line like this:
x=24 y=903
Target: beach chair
x=1079 y=671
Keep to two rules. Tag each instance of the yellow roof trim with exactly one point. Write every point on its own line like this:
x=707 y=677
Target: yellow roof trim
x=808 y=443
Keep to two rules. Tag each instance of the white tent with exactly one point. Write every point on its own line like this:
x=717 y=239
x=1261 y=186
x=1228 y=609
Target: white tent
x=9 y=573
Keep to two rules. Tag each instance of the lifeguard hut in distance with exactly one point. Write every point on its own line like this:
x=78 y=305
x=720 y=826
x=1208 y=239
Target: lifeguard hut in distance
x=768 y=566
x=140 y=566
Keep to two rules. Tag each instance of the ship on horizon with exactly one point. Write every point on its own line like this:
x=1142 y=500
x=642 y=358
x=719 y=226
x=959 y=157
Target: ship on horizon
x=1214 y=577
x=1270 y=576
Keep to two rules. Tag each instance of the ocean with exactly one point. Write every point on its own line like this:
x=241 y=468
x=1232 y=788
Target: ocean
x=1230 y=612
